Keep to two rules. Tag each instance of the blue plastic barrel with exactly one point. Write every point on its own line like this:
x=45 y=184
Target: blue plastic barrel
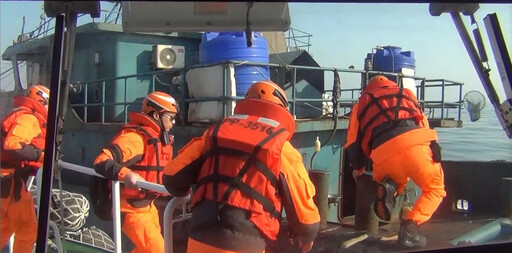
x=217 y=47
x=391 y=59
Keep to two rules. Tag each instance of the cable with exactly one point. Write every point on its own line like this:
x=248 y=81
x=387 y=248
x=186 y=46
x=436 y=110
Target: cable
x=263 y=74
x=158 y=79
x=279 y=58
x=336 y=90
x=310 y=105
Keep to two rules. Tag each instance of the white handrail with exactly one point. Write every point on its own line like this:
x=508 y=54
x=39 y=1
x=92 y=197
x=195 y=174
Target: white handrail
x=169 y=209
x=168 y=221
x=116 y=215
x=90 y=171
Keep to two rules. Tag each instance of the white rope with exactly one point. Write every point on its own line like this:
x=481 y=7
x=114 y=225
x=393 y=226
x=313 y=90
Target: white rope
x=68 y=210
x=96 y=237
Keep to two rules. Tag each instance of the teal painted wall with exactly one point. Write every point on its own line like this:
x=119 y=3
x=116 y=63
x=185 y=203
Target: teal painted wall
x=327 y=159
x=119 y=55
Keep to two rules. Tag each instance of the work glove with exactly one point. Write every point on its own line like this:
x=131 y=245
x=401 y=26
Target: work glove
x=357 y=173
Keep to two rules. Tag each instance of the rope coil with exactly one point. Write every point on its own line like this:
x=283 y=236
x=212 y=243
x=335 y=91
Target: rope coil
x=68 y=210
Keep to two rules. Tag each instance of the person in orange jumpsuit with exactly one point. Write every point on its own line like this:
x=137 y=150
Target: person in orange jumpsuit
x=23 y=134
x=245 y=171
x=388 y=126
x=139 y=152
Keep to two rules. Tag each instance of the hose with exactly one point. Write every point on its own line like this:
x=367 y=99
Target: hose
x=336 y=93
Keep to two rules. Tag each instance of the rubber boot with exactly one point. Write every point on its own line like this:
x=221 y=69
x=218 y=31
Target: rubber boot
x=409 y=236
x=385 y=199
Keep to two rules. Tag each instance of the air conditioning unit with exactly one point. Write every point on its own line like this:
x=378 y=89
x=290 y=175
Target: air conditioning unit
x=168 y=56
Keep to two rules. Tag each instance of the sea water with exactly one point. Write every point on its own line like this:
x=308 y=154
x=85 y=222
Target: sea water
x=482 y=140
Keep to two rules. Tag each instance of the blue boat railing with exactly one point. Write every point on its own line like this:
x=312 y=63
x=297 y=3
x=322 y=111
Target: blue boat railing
x=437 y=108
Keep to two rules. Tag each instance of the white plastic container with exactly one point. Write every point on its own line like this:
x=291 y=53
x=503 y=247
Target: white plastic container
x=208 y=82
x=409 y=82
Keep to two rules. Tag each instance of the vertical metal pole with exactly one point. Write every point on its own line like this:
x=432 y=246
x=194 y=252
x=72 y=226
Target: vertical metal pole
x=39 y=180
x=442 y=99
x=103 y=101
x=184 y=105
x=85 y=102
x=423 y=83
x=294 y=80
x=125 y=102
x=16 y=74
x=169 y=221
x=168 y=226
x=460 y=100
x=224 y=89
x=51 y=133
x=116 y=213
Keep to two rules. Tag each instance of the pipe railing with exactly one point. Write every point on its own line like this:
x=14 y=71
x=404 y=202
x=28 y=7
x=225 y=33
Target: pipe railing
x=169 y=221
x=441 y=104
x=225 y=98
x=169 y=209
x=46 y=26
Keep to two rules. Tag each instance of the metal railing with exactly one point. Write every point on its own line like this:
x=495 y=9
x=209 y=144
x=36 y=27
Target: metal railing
x=442 y=105
x=45 y=26
x=116 y=211
x=100 y=86
x=298 y=39
x=343 y=103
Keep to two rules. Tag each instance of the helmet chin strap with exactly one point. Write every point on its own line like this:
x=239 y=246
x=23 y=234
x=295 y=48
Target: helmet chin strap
x=164 y=135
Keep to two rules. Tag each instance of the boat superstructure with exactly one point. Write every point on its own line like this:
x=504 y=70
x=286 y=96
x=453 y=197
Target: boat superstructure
x=107 y=68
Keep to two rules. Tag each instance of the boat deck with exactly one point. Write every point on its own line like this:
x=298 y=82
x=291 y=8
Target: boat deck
x=439 y=232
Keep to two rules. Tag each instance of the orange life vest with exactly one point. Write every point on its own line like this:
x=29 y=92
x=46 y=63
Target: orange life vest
x=155 y=157
x=385 y=105
x=24 y=105
x=242 y=168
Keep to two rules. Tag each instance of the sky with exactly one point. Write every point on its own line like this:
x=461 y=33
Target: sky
x=343 y=33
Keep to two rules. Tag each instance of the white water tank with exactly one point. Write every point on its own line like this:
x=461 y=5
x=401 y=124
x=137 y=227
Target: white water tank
x=208 y=82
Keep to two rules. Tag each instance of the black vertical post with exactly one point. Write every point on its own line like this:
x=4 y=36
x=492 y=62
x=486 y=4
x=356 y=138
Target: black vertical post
x=51 y=133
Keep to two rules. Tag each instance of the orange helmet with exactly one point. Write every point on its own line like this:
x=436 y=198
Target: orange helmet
x=269 y=91
x=159 y=102
x=39 y=93
x=379 y=82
